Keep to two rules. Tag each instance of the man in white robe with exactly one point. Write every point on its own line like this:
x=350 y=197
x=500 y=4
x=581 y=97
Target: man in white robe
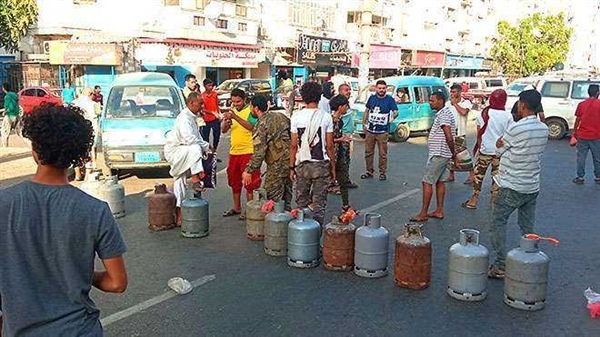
x=185 y=149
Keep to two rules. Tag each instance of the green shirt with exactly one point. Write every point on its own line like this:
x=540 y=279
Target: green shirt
x=11 y=104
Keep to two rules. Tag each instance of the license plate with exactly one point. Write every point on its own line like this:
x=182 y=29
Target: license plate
x=147 y=157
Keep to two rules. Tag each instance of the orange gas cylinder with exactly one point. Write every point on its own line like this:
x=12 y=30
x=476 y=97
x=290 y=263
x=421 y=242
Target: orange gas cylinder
x=413 y=259
x=161 y=209
x=338 y=245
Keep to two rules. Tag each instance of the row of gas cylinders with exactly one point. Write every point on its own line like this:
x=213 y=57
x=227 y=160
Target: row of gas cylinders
x=365 y=250
x=107 y=189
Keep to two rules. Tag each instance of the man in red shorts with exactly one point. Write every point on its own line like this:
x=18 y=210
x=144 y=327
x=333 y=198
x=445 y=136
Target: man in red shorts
x=241 y=122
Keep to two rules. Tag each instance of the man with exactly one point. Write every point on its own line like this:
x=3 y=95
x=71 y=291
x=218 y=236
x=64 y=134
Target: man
x=185 y=149
x=311 y=152
x=339 y=105
x=241 y=123
x=587 y=133
x=190 y=85
x=441 y=153
x=91 y=111
x=328 y=92
x=381 y=110
x=211 y=114
x=292 y=99
x=345 y=90
x=460 y=109
x=97 y=95
x=68 y=94
x=271 y=140
x=50 y=234
x=491 y=125
x=12 y=110
x=520 y=150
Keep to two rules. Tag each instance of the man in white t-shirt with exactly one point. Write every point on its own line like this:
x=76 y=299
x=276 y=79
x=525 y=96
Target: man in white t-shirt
x=312 y=159
x=491 y=125
x=460 y=108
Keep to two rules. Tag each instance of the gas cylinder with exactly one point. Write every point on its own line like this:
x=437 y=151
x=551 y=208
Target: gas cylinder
x=194 y=215
x=113 y=193
x=91 y=185
x=413 y=258
x=255 y=218
x=161 y=209
x=338 y=245
x=276 y=228
x=303 y=242
x=371 y=247
x=526 y=276
x=467 y=268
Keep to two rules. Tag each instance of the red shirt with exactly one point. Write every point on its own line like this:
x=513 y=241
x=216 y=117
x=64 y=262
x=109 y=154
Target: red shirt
x=211 y=103
x=588 y=112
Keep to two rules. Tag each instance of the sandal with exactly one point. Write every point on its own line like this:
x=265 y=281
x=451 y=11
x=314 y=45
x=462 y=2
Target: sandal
x=231 y=212
x=366 y=175
x=382 y=176
x=578 y=181
x=466 y=205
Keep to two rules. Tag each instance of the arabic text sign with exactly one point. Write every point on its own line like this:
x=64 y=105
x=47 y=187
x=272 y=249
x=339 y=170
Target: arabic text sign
x=64 y=52
x=322 y=51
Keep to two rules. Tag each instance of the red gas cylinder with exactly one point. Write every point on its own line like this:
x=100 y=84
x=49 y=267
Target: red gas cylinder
x=413 y=259
x=161 y=209
x=338 y=245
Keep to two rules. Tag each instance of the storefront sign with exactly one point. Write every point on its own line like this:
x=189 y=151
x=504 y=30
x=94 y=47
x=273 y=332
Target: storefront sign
x=428 y=59
x=487 y=64
x=322 y=51
x=65 y=52
x=463 y=62
x=382 y=57
x=202 y=56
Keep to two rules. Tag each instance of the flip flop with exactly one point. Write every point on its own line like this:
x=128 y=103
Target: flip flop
x=415 y=219
x=466 y=205
x=230 y=212
x=431 y=215
x=366 y=175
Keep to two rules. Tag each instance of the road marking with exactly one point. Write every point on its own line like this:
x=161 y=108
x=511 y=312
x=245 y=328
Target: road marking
x=389 y=201
x=151 y=302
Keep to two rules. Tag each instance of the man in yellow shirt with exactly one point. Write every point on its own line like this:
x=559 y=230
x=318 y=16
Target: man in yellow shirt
x=241 y=122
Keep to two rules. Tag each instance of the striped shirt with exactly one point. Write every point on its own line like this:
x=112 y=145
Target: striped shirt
x=437 y=140
x=521 y=155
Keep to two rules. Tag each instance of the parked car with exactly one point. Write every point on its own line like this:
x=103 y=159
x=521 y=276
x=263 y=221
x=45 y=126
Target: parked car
x=493 y=83
x=139 y=112
x=413 y=115
x=249 y=85
x=32 y=97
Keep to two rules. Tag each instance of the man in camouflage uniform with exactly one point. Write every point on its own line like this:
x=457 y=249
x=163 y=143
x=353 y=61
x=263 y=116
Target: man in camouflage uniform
x=272 y=145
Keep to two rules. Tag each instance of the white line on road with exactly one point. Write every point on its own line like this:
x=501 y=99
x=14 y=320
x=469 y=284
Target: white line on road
x=151 y=302
x=389 y=201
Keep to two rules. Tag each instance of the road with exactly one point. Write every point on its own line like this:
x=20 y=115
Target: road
x=240 y=291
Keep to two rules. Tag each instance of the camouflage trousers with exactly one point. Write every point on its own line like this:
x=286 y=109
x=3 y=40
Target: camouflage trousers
x=312 y=180
x=483 y=162
x=278 y=185
x=342 y=175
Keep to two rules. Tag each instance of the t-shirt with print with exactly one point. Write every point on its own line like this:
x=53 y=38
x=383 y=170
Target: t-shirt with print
x=461 y=121
x=299 y=123
x=49 y=237
x=241 y=138
x=437 y=140
x=380 y=109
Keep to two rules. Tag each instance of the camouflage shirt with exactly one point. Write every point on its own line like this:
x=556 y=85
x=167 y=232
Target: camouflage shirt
x=271 y=140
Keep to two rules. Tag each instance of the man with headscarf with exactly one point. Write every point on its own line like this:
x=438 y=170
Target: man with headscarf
x=491 y=125
x=328 y=91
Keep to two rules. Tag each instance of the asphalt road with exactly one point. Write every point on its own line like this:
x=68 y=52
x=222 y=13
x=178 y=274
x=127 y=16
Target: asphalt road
x=243 y=292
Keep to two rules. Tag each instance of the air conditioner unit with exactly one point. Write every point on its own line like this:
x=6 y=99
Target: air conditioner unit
x=46 y=47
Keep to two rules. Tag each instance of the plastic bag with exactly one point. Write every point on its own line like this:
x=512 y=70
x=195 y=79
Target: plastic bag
x=593 y=302
x=180 y=285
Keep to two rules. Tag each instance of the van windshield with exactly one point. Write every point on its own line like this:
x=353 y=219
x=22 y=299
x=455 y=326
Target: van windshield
x=580 y=89
x=143 y=101
x=370 y=90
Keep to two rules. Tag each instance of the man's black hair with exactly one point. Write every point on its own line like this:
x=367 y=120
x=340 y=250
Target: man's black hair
x=593 y=90
x=207 y=81
x=260 y=102
x=456 y=86
x=96 y=87
x=237 y=92
x=439 y=95
x=380 y=82
x=189 y=76
x=532 y=100
x=60 y=135
x=6 y=86
x=327 y=88
x=311 y=92
x=337 y=101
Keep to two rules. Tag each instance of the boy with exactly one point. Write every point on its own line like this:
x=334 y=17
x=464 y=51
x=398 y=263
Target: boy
x=339 y=105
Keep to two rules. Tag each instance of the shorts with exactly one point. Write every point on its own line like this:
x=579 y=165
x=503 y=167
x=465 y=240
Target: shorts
x=436 y=170
x=235 y=168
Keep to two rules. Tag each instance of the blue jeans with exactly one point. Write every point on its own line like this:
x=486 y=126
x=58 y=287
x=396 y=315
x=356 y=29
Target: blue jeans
x=583 y=146
x=506 y=203
x=215 y=126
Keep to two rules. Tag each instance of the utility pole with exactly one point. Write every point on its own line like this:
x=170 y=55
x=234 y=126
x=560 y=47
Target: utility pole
x=366 y=23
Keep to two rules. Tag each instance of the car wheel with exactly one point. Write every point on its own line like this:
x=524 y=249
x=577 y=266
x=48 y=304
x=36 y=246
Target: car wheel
x=402 y=133
x=556 y=128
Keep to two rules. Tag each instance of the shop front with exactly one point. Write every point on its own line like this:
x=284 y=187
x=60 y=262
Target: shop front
x=323 y=57
x=462 y=65
x=205 y=59
x=384 y=61
x=428 y=63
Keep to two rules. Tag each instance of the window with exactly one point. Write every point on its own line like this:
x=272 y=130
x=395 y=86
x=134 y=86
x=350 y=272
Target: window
x=241 y=10
x=494 y=83
x=422 y=94
x=556 y=89
x=402 y=95
x=29 y=92
x=198 y=21
x=41 y=93
x=580 y=89
x=171 y=2
x=200 y=4
x=242 y=26
x=221 y=24
x=140 y=102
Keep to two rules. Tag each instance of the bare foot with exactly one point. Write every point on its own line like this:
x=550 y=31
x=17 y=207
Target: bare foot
x=436 y=215
x=419 y=218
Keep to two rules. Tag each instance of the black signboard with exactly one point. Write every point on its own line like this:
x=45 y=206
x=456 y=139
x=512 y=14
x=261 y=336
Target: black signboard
x=322 y=51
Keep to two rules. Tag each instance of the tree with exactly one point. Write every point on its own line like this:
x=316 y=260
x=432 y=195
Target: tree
x=16 y=16
x=535 y=45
